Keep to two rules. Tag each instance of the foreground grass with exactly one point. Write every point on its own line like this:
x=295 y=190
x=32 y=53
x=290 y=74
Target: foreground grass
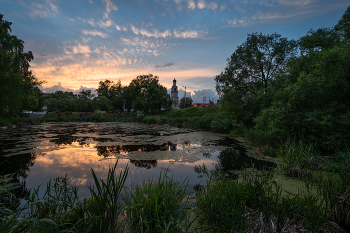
x=252 y=203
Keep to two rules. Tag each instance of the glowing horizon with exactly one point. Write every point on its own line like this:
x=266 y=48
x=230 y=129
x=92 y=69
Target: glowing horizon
x=76 y=44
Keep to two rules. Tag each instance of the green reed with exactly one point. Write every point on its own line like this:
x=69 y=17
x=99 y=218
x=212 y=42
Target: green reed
x=158 y=206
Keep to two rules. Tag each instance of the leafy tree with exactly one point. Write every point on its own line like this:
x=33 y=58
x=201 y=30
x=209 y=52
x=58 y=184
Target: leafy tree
x=148 y=95
x=255 y=63
x=102 y=103
x=343 y=26
x=185 y=103
x=85 y=94
x=17 y=82
x=113 y=91
x=321 y=39
x=250 y=73
x=315 y=107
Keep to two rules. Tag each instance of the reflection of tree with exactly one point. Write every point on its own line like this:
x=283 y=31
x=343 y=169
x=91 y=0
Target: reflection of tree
x=144 y=163
x=15 y=167
x=236 y=159
x=173 y=147
x=107 y=151
x=64 y=139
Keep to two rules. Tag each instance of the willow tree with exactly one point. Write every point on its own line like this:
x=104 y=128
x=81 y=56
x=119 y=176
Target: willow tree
x=17 y=82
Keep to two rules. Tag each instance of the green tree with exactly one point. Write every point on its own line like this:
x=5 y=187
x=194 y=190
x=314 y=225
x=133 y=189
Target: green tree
x=102 y=103
x=85 y=94
x=321 y=39
x=113 y=91
x=146 y=94
x=315 y=108
x=343 y=26
x=185 y=103
x=17 y=82
x=250 y=73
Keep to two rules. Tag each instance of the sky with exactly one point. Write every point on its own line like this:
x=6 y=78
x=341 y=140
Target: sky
x=78 y=43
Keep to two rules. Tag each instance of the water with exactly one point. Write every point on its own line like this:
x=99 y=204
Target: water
x=42 y=152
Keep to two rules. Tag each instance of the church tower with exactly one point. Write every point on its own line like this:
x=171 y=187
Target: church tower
x=175 y=95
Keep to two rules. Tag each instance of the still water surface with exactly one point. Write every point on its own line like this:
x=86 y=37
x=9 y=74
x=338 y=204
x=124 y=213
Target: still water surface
x=42 y=152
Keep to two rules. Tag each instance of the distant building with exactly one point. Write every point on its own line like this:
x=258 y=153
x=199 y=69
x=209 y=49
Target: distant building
x=175 y=95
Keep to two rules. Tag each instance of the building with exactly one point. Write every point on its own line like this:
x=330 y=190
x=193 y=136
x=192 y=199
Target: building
x=175 y=95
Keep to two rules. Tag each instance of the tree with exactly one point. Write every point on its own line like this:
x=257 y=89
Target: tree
x=315 y=108
x=321 y=39
x=85 y=94
x=146 y=94
x=250 y=72
x=102 y=103
x=185 y=103
x=254 y=63
x=343 y=26
x=113 y=91
x=17 y=82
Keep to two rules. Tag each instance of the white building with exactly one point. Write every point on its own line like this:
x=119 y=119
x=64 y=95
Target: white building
x=175 y=95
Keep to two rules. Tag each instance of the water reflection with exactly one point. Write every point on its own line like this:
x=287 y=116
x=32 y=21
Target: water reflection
x=144 y=163
x=107 y=151
x=234 y=159
x=75 y=148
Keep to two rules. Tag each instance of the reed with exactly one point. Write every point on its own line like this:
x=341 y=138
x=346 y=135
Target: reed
x=158 y=206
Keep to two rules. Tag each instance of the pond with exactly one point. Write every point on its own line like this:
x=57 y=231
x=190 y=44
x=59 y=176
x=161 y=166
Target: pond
x=42 y=152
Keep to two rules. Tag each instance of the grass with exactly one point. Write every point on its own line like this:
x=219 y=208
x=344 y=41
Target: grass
x=254 y=202
x=159 y=206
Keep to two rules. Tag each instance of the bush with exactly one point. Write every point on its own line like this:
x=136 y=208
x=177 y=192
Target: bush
x=149 y=120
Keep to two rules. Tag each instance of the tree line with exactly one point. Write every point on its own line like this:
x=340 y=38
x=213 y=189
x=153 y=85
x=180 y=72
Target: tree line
x=274 y=88
x=144 y=93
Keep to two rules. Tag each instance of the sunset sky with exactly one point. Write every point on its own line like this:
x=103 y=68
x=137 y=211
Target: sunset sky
x=77 y=43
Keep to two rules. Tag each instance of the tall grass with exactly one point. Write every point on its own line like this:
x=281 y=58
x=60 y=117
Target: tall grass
x=159 y=206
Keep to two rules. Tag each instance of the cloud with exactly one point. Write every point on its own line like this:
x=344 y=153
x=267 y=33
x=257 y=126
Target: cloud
x=191 y=5
x=296 y=2
x=223 y=6
x=201 y=4
x=59 y=87
x=155 y=33
x=206 y=94
x=166 y=33
x=43 y=10
x=55 y=88
x=106 y=24
x=109 y=7
x=95 y=33
x=164 y=65
x=213 y=6
x=185 y=34
x=81 y=49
